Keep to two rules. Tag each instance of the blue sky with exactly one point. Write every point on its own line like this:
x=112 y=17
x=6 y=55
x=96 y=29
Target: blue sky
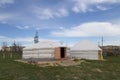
x=67 y=21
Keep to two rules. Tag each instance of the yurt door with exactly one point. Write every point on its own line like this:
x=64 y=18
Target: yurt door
x=100 y=55
x=62 y=52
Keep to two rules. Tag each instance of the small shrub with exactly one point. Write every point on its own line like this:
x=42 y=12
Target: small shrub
x=75 y=59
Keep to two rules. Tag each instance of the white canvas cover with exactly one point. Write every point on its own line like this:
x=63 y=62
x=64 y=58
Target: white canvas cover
x=44 y=49
x=43 y=44
x=85 y=45
x=85 y=49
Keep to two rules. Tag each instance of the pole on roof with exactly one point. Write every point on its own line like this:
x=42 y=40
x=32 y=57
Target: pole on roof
x=102 y=43
x=98 y=43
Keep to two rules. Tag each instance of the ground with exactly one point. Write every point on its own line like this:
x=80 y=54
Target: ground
x=109 y=69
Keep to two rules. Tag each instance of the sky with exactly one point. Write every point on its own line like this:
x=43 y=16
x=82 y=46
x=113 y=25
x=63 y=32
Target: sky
x=66 y=21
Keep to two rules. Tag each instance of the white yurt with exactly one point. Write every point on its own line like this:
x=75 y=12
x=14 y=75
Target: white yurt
x=43 y=49
x=86 y=50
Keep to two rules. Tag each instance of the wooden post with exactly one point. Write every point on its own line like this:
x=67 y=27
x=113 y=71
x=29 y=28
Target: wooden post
x=11 y=54
x=3 y=55
x=100 y=55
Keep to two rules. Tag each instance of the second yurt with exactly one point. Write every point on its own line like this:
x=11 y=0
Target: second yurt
x=86 y=50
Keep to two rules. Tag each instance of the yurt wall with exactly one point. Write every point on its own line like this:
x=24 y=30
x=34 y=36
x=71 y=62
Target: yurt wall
x=38 y=53
x=85 y=54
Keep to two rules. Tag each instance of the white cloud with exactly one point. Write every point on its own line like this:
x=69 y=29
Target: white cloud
x=62 y=12
x=42 y=28
x=113 y=42
x=19 y=39
x=81 y=7
x=44 y=13
x=87 y=5
x=3 y=2
x=4 y=17
x=27 y=39
x=101 y=7
x=2 y=37
x=47 y=13
x=24 y=41
x=23 y=27
x=115 y=21
x=90 y=29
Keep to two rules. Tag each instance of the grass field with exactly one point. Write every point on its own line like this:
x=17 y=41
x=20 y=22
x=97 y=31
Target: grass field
x=88 y=70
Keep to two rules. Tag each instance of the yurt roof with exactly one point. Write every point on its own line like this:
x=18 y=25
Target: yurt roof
x=85 y=45
x=44 y=44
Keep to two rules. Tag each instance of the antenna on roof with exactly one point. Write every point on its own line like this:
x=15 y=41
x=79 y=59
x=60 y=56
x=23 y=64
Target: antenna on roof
x=98 y=43
x=36 y=38
x=66 y=44
x=102 y=41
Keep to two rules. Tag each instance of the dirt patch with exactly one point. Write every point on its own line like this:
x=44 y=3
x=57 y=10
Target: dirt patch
x=68 y=62
x=98 y=70
x=76 y=77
